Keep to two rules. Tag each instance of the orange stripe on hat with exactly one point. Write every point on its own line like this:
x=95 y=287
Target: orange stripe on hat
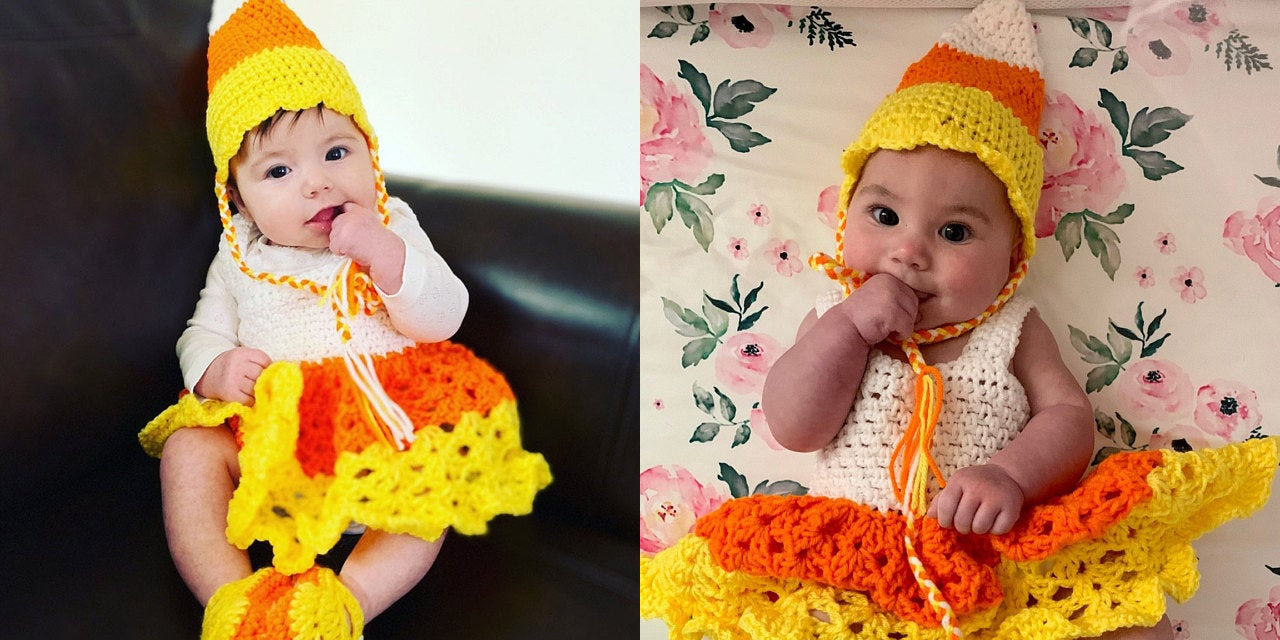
x=255 y=26
x=1019 y=88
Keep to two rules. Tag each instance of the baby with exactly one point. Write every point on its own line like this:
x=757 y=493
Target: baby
x=323 y=393
x=937 y=507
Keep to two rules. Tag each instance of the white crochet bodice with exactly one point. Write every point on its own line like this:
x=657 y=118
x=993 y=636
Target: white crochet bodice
x=291 y=324
x=983 y=408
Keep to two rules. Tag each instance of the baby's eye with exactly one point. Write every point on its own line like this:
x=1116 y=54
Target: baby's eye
x=955 y=232
x=278 y=171
x=885 y=216
x=336 y=153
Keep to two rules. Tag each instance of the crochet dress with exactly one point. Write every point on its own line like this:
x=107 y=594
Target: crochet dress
x=1099 y=558
x=313 y=458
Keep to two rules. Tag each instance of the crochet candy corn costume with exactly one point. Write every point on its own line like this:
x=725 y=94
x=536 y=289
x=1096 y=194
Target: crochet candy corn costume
x=401 y=437
x=860 y=550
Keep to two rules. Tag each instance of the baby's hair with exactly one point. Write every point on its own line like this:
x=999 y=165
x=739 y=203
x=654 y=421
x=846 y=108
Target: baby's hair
x=260 y=131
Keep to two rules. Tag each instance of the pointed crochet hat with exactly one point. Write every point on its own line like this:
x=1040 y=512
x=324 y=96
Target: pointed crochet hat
x=978 y=90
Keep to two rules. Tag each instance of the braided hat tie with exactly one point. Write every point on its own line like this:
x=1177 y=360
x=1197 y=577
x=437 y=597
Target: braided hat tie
x=979 y=91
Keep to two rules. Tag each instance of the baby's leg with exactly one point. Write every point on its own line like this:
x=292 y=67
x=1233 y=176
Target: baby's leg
x=1163 y=630
x=198 y=473
x=384 y=566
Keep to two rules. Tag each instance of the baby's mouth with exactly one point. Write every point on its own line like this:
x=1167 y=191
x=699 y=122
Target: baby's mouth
x=324 y=218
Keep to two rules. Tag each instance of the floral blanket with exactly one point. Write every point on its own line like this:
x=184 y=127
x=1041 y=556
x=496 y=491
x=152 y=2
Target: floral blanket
x=1159 y=230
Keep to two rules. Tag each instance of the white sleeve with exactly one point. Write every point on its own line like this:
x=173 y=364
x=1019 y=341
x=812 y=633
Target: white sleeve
x=211 y=330
x=432 y=300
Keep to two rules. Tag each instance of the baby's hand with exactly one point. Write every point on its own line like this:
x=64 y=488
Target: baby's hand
x=358 y=234
x=882 y=307
x=983 y=498
x=232 y=374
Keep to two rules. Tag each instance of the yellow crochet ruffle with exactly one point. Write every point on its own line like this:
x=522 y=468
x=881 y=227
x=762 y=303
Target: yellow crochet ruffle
x=1087 y=588
x=460 y=478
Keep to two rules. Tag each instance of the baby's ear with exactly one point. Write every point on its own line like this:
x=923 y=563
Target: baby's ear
x=237 y=205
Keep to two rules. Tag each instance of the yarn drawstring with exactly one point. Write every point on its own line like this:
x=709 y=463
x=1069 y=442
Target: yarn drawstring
x=346 y=296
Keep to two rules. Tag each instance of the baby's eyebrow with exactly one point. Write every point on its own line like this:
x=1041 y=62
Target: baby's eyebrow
x=876 y=189
x=970 y=211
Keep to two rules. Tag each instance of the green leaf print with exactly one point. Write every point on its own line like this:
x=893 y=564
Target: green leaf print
x=1098 y=34
x=732 y=100
x=664 y=199
x=738 y=99
x=1236 y=50
x=728 y=412
x=780 y=488
x=736 y=481
x=818 y=26
x=1093 y=229
x=1148 y=128
x=712 y=325
x=664 y=30
x=1115 y=352
x=1153 y=127
x=706 y=432
x=741 y=137
x=696 y=351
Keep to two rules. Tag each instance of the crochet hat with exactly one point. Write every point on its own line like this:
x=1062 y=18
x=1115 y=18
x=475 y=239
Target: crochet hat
x=978 y=90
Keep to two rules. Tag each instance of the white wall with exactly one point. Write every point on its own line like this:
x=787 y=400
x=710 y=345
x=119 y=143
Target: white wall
x=534 y=96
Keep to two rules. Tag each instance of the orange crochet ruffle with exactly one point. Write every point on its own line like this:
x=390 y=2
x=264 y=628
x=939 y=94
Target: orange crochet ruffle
x=434 y=383
x=838 y=542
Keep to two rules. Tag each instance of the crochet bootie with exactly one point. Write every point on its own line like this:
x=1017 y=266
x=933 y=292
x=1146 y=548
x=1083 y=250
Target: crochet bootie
x=269 y=605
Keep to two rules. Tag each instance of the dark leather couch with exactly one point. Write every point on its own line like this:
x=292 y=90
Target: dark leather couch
x=108 y=226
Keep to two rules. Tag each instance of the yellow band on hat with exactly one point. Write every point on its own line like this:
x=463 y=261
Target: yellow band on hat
x=291 y=78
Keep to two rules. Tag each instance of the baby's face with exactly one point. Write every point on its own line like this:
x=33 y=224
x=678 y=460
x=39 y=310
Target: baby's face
x=292 y=181
x=940 y=222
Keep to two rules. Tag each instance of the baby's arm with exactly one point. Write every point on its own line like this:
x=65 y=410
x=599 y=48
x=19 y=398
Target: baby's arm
x=1046 y=459
x=810 y=388
x=425 y=300
x=213 y=363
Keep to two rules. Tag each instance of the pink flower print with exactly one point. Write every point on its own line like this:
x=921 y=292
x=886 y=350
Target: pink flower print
x=744 y=361
x=1154 y=388
x=759 y=214
x=1192 y=436
x=659 y=404
x=741 y=25
x=738 y=248
x=1200 y=18
x=1180 y=630
x=760 y=428
x=672 y=144
x=1259 y=619
x=1118 y=14
x=1081 y=164
x=1189 y=283
x=784 y=255
x=1158 y=49
x=671 y=501
x=1257 y=237
x=827 y=203
x=1164 y=243
x=785 y=9
x=1227 y=409
x=1143 y=276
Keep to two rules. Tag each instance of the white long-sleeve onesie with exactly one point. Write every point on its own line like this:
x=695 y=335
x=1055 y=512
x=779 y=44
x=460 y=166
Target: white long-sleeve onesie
x=292 y=325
